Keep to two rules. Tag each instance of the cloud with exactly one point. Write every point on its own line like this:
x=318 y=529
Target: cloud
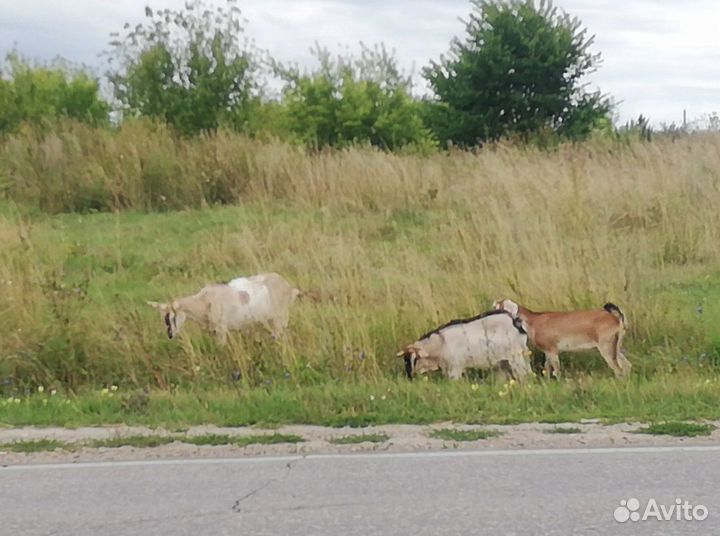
x=660 y=56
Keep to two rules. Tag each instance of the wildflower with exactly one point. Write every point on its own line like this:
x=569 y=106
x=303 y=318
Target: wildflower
x=53 y=392
x=372 y=397
x=113 y=387
x=16 y=400
x=197 y=368
x=474 y=387
x=502 y=393
x=512 y=382
x=44 y=401
x=707 y=381
x=425 y=378
x=383 y=397
x=41 y=389
x=104 y=391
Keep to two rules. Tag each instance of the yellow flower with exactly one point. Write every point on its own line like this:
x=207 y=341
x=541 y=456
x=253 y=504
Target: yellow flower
x=383 y=397
x=474 y=387
x=16 y=400
x=425 y=378
x=41 y=389
x=104 y=391
x=372 y=397
x=512 y=382
x=113 y=387
x=502 y=393
x=53 y=392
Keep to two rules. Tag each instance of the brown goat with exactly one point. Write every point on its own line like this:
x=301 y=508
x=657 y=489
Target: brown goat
x=555 y=332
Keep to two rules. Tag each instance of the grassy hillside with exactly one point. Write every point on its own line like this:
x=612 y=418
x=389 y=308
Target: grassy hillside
x=393 y=245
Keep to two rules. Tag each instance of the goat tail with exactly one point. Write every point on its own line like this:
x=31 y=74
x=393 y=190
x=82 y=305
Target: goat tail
x=313 y=294
x=616 y=312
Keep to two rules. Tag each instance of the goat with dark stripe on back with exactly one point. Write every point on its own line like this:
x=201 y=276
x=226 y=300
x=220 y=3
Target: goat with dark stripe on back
x=490 y=340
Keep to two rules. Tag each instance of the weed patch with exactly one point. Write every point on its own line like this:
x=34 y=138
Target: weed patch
x=450 y=434
x=678 y=429
x=358 y=438
x=38 y=445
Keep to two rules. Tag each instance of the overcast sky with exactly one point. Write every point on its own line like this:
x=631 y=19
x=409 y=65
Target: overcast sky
x=659 y=56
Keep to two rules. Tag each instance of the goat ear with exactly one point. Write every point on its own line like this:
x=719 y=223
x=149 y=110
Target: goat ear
x=157 y=305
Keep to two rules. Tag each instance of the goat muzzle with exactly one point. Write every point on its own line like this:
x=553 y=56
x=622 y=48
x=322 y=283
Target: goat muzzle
x=409 y=367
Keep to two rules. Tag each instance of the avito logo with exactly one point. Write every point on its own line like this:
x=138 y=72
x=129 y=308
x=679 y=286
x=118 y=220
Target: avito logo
x=630 y=510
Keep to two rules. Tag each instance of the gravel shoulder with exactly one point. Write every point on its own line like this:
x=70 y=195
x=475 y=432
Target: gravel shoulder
x=317 y=439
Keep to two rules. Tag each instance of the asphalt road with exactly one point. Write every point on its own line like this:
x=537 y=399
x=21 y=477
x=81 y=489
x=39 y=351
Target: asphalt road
x=548 y=492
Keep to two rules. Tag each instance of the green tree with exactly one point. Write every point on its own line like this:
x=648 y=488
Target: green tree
x=349 y=99
x=43 y=93
x=191 y=67
x=517 y=72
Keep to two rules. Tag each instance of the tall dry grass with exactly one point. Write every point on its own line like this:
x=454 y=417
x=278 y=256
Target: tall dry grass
x=396 y=244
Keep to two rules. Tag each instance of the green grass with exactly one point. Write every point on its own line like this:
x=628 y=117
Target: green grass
x=137 y=441
x=38 y=445
x=242 y=441
x=564 y=430
x=359 y=438
x=678 y=429
x=450 y=434
x=74 y=286
x=681 y=395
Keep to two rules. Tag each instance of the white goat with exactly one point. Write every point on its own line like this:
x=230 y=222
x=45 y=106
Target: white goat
x=572 y=331
x=492 y=339
x=262 y=298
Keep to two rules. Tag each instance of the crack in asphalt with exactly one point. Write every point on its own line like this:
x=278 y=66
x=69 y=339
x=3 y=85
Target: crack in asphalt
x=288 y=467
